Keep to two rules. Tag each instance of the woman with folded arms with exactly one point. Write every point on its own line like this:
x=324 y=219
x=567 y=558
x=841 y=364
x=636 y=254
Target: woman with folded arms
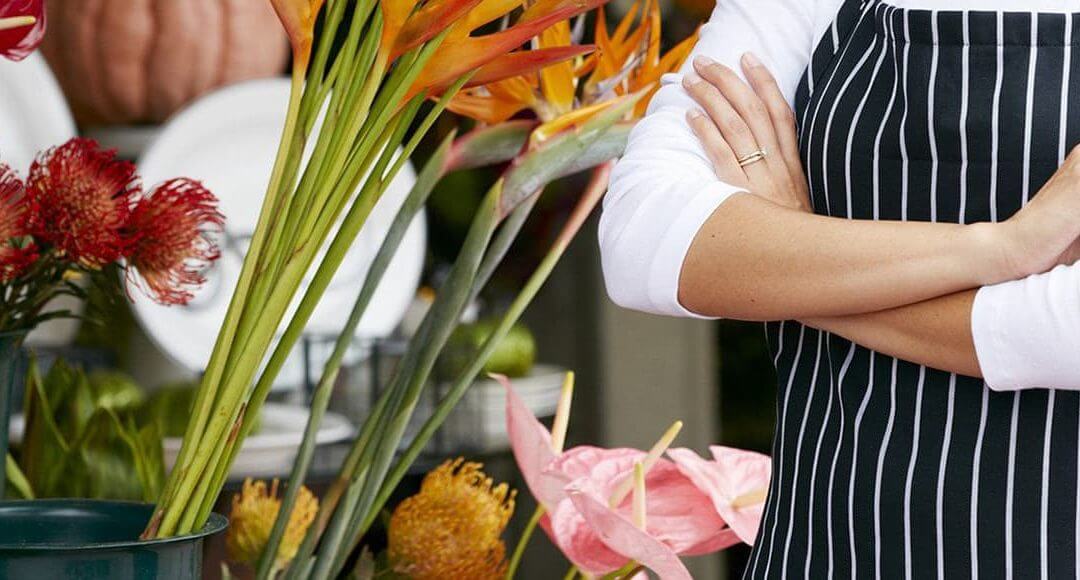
x=893 y=188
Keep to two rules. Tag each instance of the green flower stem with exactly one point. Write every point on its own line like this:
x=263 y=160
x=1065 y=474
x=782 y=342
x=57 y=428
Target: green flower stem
x=228 y=402
x=343 y=240
x=628 y=571
x=17 y=478
x=337 y=528
x=264 y=333
x=414 y=371
x=526 y=535
x=584 y=207
x=321 y=178
x=571 y=573
x=332 y=260
x=207 y=394
x=416 y=199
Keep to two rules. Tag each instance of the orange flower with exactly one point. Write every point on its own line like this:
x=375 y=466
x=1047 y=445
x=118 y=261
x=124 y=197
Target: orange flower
x=453 y=528
x=298 y=17
x=254 y=510
x=461 y=52
x=626 y=61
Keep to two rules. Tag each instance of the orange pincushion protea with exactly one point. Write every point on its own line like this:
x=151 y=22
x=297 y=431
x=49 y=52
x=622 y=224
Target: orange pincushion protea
x=453 y=527
x=16 y=250
x=172 y=241
x=254 y=510
x=83 y=196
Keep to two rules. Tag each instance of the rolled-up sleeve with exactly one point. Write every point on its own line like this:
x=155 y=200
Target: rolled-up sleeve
x=664 y=188
x=1027 y=332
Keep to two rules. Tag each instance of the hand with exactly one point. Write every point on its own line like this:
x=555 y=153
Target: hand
x=1044 y=233
x=740 y=119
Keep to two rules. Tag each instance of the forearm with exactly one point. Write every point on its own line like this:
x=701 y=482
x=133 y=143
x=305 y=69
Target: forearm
x=936 y=333
x=754 y=260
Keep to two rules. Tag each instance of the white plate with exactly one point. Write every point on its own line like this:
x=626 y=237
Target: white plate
x=33 y=112
x=272 y=451
x=268 y=453
x=228 y=140
x=34 y=116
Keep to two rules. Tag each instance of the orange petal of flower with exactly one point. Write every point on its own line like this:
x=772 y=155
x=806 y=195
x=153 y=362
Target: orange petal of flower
x=487 y=11
x=572 y=119
x=395 y=13
x=525 y=61
x=456 y=57
x=519 y=89
x=427 y=22
x=487 y=109
x=557 y=81
x=298 y=17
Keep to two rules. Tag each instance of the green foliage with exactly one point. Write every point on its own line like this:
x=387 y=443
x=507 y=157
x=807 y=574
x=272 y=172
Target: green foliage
x=82 y=439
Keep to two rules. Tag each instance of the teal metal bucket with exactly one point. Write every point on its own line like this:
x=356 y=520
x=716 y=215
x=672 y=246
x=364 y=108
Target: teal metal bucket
x=91 y=539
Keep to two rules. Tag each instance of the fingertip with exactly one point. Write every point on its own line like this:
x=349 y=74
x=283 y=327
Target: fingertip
x=750 y=60
x=690 y=80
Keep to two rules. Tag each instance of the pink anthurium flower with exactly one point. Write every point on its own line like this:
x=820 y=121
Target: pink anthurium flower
x=595 y=537
x=736 y=481
x=22 y=26
x=569 y=484
x=619 y=535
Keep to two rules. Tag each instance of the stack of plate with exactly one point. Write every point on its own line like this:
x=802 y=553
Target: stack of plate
x=480 y=421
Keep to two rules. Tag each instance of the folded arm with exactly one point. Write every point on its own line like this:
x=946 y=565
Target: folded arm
x=680 y=237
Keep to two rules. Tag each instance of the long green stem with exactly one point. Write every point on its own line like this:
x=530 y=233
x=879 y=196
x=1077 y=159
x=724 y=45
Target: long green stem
x=413 y=373
x=523 y=542
x=168 y=510
x=594 y=192
x=628 y=571
x=416 y=199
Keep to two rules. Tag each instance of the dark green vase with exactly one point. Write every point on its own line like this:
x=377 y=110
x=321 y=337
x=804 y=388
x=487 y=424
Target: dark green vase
x=94 y=539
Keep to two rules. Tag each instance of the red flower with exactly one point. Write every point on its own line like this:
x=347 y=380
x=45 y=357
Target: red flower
x=22 y=26
x=16 y=250
x=172 y=244
x=84 y=197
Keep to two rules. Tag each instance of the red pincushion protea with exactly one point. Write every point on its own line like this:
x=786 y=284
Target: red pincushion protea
x=172 y=244
x=22 y=26
x=84 y=196
x=16 y=251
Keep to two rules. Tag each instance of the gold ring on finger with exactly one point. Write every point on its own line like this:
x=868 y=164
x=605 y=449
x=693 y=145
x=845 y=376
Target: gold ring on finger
x=752 y=158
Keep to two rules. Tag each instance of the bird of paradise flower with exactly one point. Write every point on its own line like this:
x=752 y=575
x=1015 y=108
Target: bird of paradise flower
x=626 y=60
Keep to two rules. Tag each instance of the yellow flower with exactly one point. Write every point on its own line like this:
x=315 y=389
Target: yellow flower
x=453 y=527
x=254 y=510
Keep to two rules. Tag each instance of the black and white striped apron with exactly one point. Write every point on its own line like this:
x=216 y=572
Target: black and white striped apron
x=884 y=468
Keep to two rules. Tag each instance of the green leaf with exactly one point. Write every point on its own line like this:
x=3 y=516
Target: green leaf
x=151 y=459
x=44 y=448
x=71 y=398
x=104 y=463
x=19 y=484
x=564 y=153
x=490 y=145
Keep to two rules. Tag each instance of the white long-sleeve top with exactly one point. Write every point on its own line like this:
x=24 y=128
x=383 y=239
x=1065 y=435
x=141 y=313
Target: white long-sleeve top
x=1027 y=332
